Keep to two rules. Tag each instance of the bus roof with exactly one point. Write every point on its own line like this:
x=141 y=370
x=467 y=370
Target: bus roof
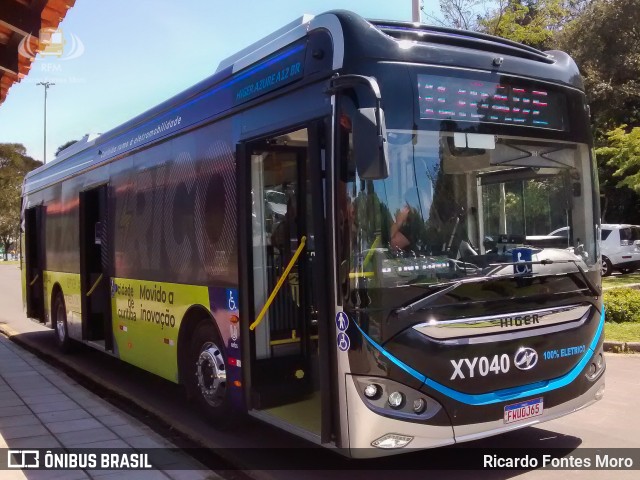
x=375 y=39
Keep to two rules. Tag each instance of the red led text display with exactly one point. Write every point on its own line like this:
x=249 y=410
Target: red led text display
x=479 y=101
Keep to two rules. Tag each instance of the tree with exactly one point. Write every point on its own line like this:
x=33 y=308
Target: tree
x=461 y=14
x=65 y=145
x=604 y=40
x=623 y=152
x=14 y=165
x=532 y=22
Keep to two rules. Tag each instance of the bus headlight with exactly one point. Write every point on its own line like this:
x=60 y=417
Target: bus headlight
x=393 y=399
x=396 y=400
x=596 y=367
x=419 y=405
x=372 y=391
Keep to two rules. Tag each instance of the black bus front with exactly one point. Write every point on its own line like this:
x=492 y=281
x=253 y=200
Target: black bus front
x=469 y=275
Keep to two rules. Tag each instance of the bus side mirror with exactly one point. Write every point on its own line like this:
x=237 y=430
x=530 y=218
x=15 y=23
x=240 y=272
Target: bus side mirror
x=370 y=144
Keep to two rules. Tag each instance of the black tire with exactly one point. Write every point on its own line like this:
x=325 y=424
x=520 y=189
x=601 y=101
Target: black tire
x=607 y=268
x=206 y=374
x=59 y=324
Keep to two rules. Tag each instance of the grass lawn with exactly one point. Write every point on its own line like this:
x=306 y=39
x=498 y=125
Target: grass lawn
x=620 y=280
x=9 y=262
x=622 y=332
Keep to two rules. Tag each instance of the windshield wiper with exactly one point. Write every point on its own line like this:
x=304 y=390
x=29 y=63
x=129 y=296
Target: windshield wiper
x=424 y=301
x=592 y=288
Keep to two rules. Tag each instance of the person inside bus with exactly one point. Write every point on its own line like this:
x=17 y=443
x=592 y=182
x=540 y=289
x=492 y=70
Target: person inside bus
x=408 y=231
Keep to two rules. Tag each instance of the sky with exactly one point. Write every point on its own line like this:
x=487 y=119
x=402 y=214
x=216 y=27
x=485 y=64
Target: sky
x=122 y=57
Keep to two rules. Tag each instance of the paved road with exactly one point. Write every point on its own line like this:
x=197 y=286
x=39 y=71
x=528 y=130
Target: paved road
x=612 y=422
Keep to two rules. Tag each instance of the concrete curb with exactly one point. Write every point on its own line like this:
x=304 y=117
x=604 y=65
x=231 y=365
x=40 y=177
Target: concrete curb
x=620 y=347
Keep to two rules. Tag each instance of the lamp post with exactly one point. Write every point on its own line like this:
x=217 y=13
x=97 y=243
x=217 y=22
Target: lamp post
x=46 y=86
x=415 y=11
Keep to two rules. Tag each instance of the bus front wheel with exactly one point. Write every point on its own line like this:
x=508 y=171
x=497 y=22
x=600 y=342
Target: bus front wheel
x=207 y=373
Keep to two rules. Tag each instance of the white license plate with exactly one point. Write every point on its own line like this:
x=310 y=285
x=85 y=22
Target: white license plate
x=523 y=410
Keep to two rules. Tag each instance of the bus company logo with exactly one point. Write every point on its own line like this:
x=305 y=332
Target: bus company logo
x=51 y=42
x=23 y=459
x=525 y=358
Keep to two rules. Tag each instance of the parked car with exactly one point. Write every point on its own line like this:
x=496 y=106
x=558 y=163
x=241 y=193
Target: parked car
x=619 y=246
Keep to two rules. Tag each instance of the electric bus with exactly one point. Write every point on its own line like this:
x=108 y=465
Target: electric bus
x=342 y=232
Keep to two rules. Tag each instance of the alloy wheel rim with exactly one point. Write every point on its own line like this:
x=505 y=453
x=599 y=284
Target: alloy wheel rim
x=211 y=374
x=60 y=324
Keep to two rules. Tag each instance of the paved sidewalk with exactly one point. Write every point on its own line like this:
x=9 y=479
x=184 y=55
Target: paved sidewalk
x=41 y=407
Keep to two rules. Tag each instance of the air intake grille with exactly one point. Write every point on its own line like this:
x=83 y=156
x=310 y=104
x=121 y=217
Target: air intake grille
x=461 y=38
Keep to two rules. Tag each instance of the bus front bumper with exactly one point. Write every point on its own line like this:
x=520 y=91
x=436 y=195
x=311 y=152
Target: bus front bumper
x=372 y=434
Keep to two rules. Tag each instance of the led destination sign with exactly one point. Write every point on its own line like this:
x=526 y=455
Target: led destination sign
x=479 y=101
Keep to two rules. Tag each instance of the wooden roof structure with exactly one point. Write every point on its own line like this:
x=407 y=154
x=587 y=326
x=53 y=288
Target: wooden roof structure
x=20 y=24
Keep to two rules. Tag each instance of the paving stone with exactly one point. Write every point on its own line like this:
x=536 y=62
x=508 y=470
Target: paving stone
x=43 y=441
x=21 y=431
x=113 y=420
x=203 y=474
x=21 y=377
x=32 y=390
x=38 y=399
x=13 y=411
x=10 y=395
x=129 y=474
x=129 y=430
x=73 y=425
x=18 y=420
x=13 y=475
x=54 y=407
x=56 y=475
x=107 y=444
x=63 y=415
x=10 y=402
x=80 y=438
x=144 y=441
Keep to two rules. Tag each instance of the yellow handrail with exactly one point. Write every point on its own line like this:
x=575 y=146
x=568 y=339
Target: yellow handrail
x=281 y=280
x=33 y=282
x=94 y=285
x=372 y=249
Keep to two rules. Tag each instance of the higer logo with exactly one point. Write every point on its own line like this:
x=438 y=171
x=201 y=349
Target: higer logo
x=525 y=358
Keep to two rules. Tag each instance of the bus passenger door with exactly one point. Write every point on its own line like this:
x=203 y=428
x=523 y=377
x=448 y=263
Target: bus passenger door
x=94 y=268
x=287 y=360
x=34 y=261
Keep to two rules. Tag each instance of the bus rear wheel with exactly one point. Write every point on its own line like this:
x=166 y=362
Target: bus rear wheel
x=60 y=323
x=207 y=373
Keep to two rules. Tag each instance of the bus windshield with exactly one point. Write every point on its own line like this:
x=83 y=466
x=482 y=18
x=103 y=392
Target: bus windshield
x=461 y=205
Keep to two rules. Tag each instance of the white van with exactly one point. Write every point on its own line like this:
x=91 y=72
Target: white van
x=619 y=246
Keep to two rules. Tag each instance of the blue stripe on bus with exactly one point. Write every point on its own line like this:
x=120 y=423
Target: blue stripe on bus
x=497 y=396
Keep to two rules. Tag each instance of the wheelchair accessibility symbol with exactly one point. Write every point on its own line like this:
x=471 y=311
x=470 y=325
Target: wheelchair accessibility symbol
x=343 y=341
x=232 y=299
x=521 y=259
